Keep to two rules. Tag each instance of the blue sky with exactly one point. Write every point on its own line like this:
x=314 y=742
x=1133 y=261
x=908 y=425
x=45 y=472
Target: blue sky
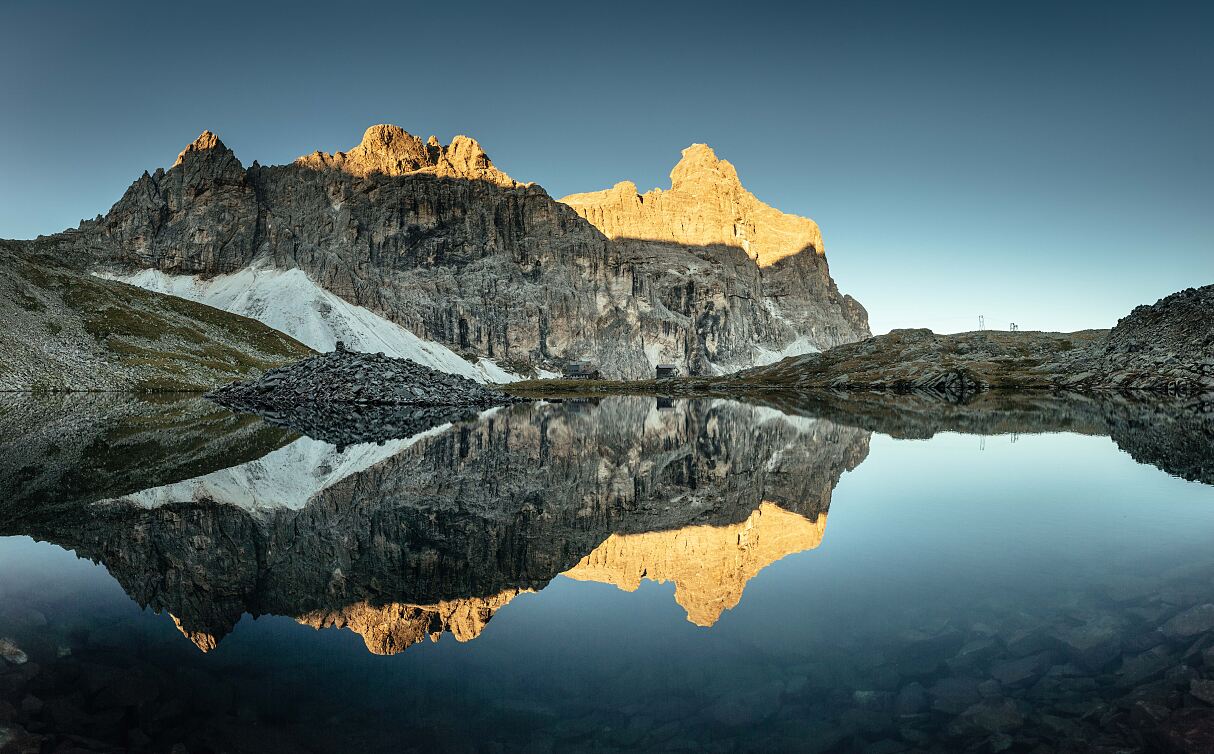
x=1039 y=162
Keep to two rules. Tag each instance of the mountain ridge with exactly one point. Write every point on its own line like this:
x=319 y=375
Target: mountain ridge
x=440 y=242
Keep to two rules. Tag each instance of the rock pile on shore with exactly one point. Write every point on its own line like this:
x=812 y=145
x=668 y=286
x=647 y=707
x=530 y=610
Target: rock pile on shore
x=343 y=376
x=1169 y=344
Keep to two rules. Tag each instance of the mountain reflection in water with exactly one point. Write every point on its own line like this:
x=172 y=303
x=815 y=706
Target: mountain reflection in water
x=206 y=517
x=415 y=537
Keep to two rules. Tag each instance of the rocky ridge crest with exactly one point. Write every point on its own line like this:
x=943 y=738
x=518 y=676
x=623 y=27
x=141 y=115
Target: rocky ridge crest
x=440 y=242
x=392 y=151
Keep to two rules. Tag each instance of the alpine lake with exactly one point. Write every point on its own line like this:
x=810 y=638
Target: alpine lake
x=808 y=573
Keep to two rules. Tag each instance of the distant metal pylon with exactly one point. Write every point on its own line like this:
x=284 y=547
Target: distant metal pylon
x=981 y=322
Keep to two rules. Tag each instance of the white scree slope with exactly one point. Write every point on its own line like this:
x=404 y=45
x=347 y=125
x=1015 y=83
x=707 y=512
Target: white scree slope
x=289 y=301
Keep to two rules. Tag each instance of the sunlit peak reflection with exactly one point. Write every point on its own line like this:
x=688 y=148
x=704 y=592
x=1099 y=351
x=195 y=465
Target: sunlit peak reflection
x=709 y=565
x=393 y=628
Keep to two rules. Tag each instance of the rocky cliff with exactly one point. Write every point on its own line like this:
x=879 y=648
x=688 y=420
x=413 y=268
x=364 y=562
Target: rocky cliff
x=437 y=242
x=707 y=207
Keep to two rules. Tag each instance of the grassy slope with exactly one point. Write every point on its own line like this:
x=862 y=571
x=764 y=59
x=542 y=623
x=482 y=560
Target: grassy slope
x=68 y=330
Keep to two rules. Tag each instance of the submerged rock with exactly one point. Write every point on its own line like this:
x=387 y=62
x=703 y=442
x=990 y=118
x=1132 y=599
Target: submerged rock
x=911 y=700
x=991 y=716
x=1021 y=671
x=12 y=653
x=1093 y=644
x=1195 y=620
x=1188 y=730
x=1202 y=689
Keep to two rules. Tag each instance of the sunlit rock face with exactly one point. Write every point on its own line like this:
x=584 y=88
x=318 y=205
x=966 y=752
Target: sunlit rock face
x=709 y=565
x=707 y=206
x=438 y=241
x=444 y=532
x=392 y=151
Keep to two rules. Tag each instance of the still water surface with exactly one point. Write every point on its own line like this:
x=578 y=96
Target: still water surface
x=624 y=574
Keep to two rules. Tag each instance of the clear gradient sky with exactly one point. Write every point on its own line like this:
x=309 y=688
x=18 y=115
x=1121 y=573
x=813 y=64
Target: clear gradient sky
x=1049 y=163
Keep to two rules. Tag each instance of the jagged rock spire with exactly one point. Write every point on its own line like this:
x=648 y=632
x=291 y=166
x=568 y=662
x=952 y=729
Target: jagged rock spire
x=206 y=141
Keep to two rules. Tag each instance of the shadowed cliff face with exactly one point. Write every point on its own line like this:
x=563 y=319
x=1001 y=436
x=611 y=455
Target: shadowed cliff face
x=439 y=241
x=440 y=531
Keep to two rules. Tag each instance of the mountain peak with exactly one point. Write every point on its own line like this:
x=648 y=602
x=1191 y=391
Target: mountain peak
x=388 y=140
x=205 y=142
x=706 y=205
x=394 y=627
x=700 y=168
x=390 y=150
